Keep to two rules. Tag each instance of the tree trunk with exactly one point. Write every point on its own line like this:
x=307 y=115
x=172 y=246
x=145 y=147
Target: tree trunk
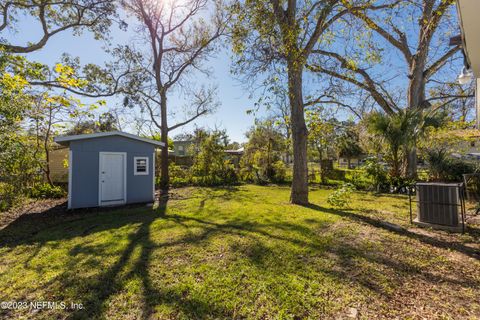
x=299 y=192
x=47 y=149
x=322 y=169
x=47 y=167
x=395 y=165
x=164 y=174
x=416 y=97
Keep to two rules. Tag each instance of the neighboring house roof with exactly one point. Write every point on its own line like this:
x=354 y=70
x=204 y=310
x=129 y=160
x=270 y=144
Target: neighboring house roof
x=65 y=140
x=57 y=146
x=235 y=152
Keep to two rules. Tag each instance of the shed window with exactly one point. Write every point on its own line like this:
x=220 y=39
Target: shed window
x=140 y=166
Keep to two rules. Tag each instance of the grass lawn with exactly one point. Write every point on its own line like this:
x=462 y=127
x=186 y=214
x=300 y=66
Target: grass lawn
x=240 y=253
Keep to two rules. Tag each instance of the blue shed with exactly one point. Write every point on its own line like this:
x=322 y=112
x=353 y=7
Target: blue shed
x=110 y=168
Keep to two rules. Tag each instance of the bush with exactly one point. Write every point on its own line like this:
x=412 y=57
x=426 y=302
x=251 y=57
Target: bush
x=247 y=174
x=279 y=172
x=4 y=205
x=341 y=197
x=8 y=196
x=19 y=169
x=225 y=174
x=377 y=172
x=47 y=191
x=256 y=170
x=360 y=179
x=179 y=177
x=209 y=166
x=336 y=174
x=400 y=184
x=228 y=173
x=442 y=167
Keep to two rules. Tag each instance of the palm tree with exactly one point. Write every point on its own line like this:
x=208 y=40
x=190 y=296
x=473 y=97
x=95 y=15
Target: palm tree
x=400 y=132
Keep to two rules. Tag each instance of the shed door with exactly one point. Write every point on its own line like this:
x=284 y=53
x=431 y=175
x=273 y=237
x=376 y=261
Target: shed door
x=112 y=176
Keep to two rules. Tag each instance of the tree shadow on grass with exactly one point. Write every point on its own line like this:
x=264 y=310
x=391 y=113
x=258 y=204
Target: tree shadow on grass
x=344 y=251
x=55 y=224
x=471 y=252
x=96 y=292
x=42 y=226
x=111 y=281
x=382 y=272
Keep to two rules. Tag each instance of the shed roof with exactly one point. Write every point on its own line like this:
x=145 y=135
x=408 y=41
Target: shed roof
x=65 y=140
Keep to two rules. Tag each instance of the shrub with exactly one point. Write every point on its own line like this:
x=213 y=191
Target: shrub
x=4 y=205
x=312 y=176
x=210 y=168
x=400 y=184
x=8 y=196
x=255 y=168
x=45 y=190
x=279 y=171
x=361 y=180
x=228 y=173
x=336 y=174
x=442 y=167
x=179 y=177
x=247 y=173
x=19 y=169
x=262 y=154
x=377 y=172
x=340 y=197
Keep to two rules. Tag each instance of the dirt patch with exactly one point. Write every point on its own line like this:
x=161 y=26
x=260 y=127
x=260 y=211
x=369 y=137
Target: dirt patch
x=58 y=206
x=36 y=215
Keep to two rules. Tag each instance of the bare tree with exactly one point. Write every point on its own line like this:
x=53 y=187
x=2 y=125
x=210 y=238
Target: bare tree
x=179 y=41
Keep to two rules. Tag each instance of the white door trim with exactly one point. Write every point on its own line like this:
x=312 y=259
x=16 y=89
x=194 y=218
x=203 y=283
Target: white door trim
x=124 y=201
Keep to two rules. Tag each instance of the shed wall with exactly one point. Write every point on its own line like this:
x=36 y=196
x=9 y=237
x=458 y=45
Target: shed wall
x=85 y=169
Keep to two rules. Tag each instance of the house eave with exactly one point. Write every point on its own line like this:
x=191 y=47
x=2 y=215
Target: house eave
x=470 y=28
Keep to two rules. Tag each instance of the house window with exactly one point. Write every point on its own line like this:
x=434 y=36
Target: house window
x=181 y=151
x=140 y=166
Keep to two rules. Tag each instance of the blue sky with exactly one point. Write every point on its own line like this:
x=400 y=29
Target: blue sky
x=232 y=113
x=234 y=99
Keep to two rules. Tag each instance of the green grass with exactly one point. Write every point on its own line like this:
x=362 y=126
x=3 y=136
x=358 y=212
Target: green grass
x=239 y=253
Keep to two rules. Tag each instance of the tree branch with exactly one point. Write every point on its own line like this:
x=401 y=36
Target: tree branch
x=369 y=85
x=399 y=44
x=83 y=15
x=455 y=96
x=319 y=27
x=440 y=62
x=152 y=116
